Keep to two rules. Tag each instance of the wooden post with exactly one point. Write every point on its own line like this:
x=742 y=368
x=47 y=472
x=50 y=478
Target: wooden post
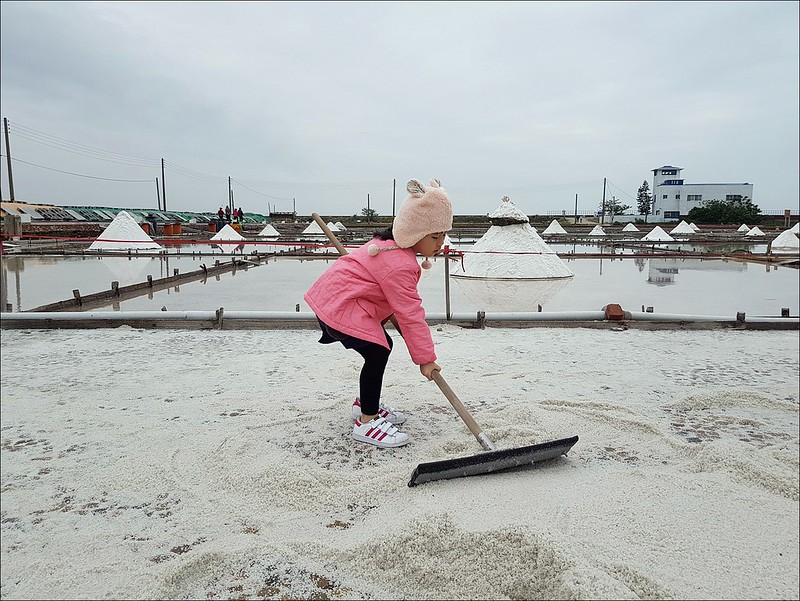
x=447 y=284
x=603 y=211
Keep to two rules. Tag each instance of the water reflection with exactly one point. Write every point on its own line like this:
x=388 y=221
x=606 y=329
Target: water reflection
x=662 y=272
x=510 y=295
x=671 y=285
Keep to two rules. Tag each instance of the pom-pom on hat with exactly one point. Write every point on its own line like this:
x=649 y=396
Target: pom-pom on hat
x=427 y=210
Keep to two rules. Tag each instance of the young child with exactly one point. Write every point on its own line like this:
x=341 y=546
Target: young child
x=361 y=291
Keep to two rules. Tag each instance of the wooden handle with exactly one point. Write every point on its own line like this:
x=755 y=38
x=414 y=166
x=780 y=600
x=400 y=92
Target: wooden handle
x=342 y=250
x=462 y=411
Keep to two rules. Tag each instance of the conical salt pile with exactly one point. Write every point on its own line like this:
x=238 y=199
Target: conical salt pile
x=123 y=233
x=227 y=233
x=511 y=250
x=313 y=229
x=659 y=235
x=269 y=232
x=786 y=242
x=597 y=231
x=743 y=228
x=694 y=227
x=630 y=228
x=755 y=232
x=682 y=228
x=332 y=226
x=554 y=228
x=795 y=229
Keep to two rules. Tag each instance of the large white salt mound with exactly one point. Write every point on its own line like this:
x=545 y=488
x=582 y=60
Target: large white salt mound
x=743 y=228
x=511 y=251
x=630 y=228
x=786 y=242
x=597 y=231
x=227 y=233
x=332 y=226
x=657 y=233
x=554 y=228
x=694 y=227
x=123 y=233
x=341 y=226
x=795 y=229
x=755 y=232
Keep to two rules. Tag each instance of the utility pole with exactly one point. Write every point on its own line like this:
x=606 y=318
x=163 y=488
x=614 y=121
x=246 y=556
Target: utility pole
x=368 y=211
x=394 y=189
x=163 y=186
x=158 y=195
x=230 y=194
x=576 y=209
x=603 y=211
x=8 y=160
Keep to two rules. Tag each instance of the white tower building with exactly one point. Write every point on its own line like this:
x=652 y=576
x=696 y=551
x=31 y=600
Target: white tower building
x=673 y=199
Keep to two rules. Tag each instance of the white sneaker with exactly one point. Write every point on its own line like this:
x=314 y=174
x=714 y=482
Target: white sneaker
x=379 y=432
x=384 y=411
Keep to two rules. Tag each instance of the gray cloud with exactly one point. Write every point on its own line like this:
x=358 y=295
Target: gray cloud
x=328 y=102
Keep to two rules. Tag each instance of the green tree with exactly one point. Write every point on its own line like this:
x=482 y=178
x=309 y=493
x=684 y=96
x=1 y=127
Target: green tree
x=614 y=206
x=737 y=210
x=644 y=200
x=370 y=214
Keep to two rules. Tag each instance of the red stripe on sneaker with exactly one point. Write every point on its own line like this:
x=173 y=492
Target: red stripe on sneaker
x=383 y=436
x=370 y=431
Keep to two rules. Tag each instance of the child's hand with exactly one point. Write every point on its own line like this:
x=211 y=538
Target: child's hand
x=427 y=369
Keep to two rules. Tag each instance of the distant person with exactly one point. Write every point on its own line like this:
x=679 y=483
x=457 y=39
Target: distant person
x=361 y=291
x=153 y=221
x=228 y=214
x=240 y=215
x=221 y=213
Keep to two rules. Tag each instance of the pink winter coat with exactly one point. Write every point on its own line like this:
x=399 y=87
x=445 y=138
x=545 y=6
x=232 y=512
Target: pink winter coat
x=359 y=292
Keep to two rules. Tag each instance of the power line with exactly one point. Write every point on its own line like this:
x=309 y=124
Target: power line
x=108 y=179
x=621 y=190
x=185 y=171
x=76 y=148
x=261 y=193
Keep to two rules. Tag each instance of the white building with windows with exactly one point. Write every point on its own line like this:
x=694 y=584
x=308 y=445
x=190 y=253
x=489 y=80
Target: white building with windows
x=673 y=198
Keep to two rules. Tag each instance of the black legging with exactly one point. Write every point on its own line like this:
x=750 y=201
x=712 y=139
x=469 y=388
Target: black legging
x=375 y=359
x=371 y=380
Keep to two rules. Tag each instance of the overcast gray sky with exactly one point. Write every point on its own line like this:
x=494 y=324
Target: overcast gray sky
x=328 y=102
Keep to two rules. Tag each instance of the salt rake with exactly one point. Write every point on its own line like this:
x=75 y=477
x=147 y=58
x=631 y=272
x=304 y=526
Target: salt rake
x=493 y=459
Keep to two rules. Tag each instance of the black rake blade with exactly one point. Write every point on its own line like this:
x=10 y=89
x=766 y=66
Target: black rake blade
x=490 y=461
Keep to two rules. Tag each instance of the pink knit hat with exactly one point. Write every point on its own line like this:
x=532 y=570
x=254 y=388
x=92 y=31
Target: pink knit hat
x=427 y=210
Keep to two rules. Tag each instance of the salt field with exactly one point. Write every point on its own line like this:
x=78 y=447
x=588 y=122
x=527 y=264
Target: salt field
x=168 y=464
x=162 y=464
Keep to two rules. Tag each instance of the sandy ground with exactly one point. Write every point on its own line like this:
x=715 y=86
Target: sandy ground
x=217 y=465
